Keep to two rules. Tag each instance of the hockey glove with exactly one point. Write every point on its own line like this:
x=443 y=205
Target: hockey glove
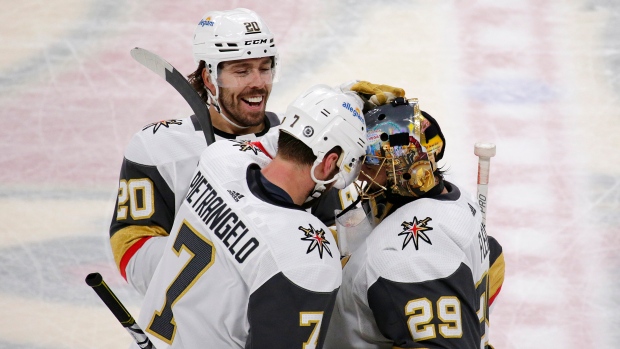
x=373 y=95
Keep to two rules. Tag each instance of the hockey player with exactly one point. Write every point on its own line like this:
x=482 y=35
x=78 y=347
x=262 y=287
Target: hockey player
x=234 y=76
x=421 y=279
x=245 y=265
x=236 y=81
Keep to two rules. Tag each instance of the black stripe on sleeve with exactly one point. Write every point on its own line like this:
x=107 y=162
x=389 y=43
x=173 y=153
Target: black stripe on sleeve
x=275 y=313
x=495 y=248
x=163 y=205
x=388 y=300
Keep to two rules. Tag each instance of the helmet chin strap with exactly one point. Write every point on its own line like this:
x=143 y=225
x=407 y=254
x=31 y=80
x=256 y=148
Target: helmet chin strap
x=216 y=104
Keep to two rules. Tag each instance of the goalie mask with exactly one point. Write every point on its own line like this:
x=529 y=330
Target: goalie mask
x=406 y=144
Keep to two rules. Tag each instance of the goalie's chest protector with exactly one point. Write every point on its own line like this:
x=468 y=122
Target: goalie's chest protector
x=243 y=242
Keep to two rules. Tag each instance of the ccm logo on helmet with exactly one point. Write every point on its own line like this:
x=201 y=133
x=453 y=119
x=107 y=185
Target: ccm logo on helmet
x=356 y=112
x=206 y=22
x=255 y=42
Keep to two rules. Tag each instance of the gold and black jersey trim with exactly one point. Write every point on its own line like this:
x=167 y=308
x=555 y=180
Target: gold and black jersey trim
x=126 y=242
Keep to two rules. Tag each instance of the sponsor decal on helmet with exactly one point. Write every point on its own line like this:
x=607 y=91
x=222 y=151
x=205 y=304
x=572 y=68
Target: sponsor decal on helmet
x=255 y=42
x=207 y=22
x=308 y=131
x=415 y=230
x=355 y=111
x=317 y=240
x=434 y=145
x=373 y=137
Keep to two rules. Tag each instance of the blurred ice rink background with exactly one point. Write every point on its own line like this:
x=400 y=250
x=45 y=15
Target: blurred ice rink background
x=540 y=78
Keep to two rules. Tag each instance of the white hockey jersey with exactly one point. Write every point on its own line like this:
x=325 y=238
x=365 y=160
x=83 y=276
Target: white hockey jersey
x=157 y=167
x=242 y=267
x=420 y=280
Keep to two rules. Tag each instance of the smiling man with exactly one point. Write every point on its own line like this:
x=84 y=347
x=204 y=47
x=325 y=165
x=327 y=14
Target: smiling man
x=237 y=60
x=243 y=88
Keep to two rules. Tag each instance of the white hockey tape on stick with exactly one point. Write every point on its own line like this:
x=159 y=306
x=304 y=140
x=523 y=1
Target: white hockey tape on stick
x=484 y=151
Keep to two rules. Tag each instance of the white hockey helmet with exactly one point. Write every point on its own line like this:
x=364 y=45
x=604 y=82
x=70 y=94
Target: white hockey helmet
x=231 y=35
x=323 y=118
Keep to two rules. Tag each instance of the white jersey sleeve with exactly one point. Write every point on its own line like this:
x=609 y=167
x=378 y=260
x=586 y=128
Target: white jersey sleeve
x=157 y=167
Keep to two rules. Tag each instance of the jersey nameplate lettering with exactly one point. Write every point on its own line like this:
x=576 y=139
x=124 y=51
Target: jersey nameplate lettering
x=220 y=219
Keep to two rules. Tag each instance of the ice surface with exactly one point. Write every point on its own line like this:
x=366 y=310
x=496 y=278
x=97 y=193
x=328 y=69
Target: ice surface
x=541 y=79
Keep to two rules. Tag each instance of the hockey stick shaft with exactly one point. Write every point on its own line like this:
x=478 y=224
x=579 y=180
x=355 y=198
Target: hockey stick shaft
x=165 y=70
x=95 y=280
x=484 y=151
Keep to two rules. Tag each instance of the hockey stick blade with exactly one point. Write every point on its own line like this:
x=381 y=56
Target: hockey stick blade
x=95 y=280
x=165 y=70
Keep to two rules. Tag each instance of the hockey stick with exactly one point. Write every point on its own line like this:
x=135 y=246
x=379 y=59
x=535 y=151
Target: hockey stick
x=164 y=69
x=484 y=151
x=108 y=297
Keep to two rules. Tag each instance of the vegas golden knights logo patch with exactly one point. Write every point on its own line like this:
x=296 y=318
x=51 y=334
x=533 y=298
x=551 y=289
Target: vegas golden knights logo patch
x=164 y=123
x=415 y=231
x=248 y=146
x=317 y=240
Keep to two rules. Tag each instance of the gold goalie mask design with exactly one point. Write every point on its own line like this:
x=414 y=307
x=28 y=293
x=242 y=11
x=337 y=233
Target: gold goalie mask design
x=406 y=143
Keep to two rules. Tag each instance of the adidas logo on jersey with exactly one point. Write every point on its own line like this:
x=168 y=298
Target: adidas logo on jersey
x=236 y=196
x=473 y=210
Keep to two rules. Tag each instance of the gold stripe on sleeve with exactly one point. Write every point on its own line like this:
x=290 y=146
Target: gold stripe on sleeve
x=123 y=239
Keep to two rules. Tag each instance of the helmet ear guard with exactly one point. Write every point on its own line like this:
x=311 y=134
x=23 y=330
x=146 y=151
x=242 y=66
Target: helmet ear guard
x=349 y=173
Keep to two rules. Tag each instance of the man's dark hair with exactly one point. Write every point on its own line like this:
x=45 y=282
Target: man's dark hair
x=292 y=149
x=195 y=79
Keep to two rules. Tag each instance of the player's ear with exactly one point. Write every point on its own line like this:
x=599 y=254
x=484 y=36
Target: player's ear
x=206 y=78
x=330 y=163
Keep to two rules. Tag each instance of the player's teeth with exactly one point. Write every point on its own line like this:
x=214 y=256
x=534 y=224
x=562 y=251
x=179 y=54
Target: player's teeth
x=255 y=99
